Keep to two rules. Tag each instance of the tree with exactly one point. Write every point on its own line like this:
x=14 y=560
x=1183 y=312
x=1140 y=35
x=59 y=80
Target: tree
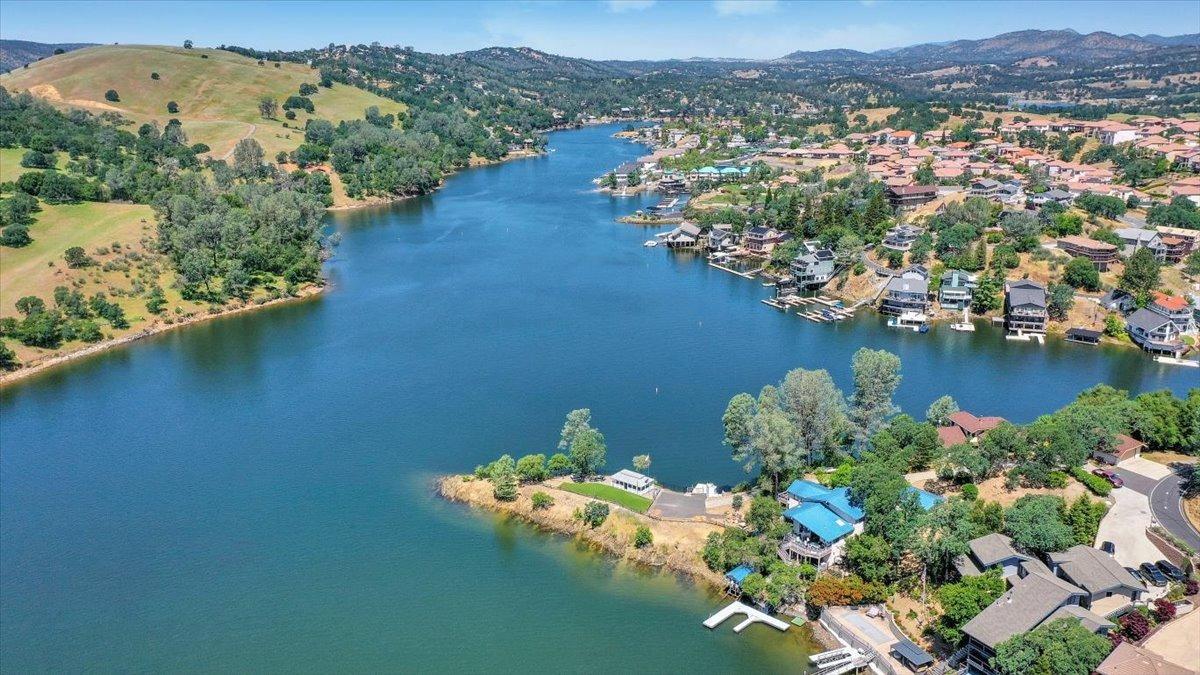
x=1101 y=205
x=947 y=529
x=76 y=258
x=588 y=453
x=876 y=376
x=642 y=537
x=1141 y=275
x=1062 y=298
x=156 y=301
x=8 y=358
x=30 y=305
x=248 y=158
x=267 y=107
x=764 y=513
x=532 y=468
x=541 y=500
x=559 y=464
x=187 y=44
x=939 y=411
x=1035 y=522
x=172 y=107
x=34 y=159
x=1082 y=273
x=964 y=600
x=595 y=513
x=816 y=409
x=112 y=96
x=641 y=462
x=870 y=557
x=577 y=421
x=1060 y=647
x=1113 y=325
x=504 y=479
x=1023 y=229
x=1084 y=516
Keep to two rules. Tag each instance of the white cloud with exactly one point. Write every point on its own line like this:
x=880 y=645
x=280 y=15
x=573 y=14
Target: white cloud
x=620 y=6
x=744 y=7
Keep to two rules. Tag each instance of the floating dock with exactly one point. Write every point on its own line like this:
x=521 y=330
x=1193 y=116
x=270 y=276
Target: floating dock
x=752 y=616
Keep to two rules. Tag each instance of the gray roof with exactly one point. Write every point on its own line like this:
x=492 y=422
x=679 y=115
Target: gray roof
x=907 y=285
x=1094 y=570
x=1020 y=609
x=993 y=548
x=632 y=477
x=1146 y=319
x=912 y=653
x=1026 y=292
x=966 y=566
x=1090 y=620
x=1135 y=234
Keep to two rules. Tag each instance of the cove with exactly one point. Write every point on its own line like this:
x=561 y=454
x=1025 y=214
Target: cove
x=254 y=493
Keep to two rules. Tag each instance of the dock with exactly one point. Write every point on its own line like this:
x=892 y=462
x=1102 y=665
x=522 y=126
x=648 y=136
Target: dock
x=752 y=616
x=744 y=275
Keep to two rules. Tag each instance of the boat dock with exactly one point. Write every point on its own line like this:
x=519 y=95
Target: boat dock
x=744 y=275
x=752 y=616
x=819 y=309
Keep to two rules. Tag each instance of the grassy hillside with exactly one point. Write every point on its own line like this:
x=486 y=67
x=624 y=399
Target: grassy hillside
x=217 y=91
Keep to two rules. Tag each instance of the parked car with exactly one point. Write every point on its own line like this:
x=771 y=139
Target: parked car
x=1109 y=548
x=1168 y=568
x=1110 y=476
x=1153 y=575
x=1136 y=574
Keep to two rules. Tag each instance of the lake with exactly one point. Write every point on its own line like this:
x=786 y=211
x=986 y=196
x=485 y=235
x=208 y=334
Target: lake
x=254 y=493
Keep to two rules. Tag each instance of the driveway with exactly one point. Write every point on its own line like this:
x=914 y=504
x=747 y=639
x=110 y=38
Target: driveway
x=1168 y=510
x=1135 y=481
x=1145 y=467
x=678 y=506
x=1125 y=526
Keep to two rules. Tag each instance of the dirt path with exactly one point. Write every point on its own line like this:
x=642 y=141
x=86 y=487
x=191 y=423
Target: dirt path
x=248 y=134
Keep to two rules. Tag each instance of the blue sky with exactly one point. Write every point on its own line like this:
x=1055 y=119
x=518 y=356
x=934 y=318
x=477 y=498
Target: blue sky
x=616 y=29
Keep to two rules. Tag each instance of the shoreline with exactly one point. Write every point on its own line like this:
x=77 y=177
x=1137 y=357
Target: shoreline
x=676 y=547
x=53 y=362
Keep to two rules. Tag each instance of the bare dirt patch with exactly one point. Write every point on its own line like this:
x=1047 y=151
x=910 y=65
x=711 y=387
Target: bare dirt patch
x=993 y=489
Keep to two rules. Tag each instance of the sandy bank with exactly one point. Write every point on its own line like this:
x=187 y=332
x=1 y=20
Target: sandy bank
x=676 y=546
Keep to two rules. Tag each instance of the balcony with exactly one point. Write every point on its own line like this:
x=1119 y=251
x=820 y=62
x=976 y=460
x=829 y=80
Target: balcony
x=795 y=549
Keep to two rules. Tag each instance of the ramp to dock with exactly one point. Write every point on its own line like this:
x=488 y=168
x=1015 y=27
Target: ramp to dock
x=752 y=616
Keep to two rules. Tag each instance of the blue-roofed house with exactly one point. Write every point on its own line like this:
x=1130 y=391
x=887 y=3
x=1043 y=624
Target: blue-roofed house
x=927 y=500
x=736 y=576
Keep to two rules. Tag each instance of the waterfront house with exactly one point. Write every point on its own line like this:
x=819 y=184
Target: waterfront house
x=905 y=293
x=901 y=237
x=1025 y=306
x=1085 y=336
x=813 y=269
x=736 y=577
x=963 y=427
x=1127 y=447
x=623 y=172
x=1118 y=300
x=990 y=551
x=721 y=238
x=685 y=235
x=1176 y=308
x=957 y=289
x=1102 y=254
x=1154 y=332
x=1109 y=586
x=632 y=481
x=911 y=196
x=762 y=240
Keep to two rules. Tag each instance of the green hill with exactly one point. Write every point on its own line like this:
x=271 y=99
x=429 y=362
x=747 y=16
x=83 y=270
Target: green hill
x=217 y=91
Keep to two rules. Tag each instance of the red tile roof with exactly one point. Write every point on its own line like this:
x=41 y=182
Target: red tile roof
x=951 y=436
x=1175 y=303
x=972 y=425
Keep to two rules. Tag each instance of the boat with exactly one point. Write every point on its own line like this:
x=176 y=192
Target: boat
x=650 y=243
x=914 y=321
x=1175 y=361
x=965 y=325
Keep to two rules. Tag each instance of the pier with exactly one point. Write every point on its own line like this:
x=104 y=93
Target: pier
x=752 y=616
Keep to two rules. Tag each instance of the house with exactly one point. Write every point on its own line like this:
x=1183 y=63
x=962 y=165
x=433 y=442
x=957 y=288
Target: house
x=813 y=269
x=1025 y=308
x=1176 y=308
x=990 y=551
x=1036 y=596
x=902 y=137
x=1061 y=196
x=1102 y=254
x=1115 y=133
x=914 y=657
x=623 y=172
x=1109 y=587
x=736 y=577
x=762 y=240
x=1085 y=336
x=911 y=196
x=963 y=427
x=632 y=481
x=721 y=238
x=1127 y=448
x=901 y=237
x=905 y=293
x=1154 y=332
x=1117 y=300
x=685 y=235
x=957 y=289
x=1129 y=659
x=985 y=187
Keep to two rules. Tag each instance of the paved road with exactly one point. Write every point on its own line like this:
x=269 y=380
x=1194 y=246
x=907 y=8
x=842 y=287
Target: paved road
x=1135 y=481
x=1168 y=510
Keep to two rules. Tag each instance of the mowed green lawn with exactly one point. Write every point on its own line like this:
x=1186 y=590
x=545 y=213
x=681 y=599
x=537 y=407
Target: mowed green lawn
x=10 y=163
x=609 y=493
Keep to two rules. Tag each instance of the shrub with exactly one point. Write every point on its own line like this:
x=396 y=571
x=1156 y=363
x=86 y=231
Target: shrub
x=1056 y=480
x=1164 y=610
x=737 y=502
x=112 y=96
x=154 y=76
x=559 y=464
x=1134 y=626
x=970 y=491
x=1094 y=483
x=643 y=537
x=541 y=500
x=1191 y=587
x=76 y=258
x=172 y=107
x=532 y=468
x=595 y=513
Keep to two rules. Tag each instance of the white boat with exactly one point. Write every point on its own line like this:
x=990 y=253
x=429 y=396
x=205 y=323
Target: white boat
x=914 y=321
x=965 y=325
x=1177 y=361
x=650 y=243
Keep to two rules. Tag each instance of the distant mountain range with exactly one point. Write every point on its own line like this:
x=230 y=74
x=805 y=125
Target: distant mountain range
x=1064 y=45
x=16 y=53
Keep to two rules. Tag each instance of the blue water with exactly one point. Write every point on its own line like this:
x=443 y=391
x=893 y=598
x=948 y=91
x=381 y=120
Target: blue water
x=254 y=493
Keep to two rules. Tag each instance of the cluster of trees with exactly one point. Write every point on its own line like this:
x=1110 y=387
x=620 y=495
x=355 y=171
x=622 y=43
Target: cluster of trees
x=585 y=454
x=73 y=317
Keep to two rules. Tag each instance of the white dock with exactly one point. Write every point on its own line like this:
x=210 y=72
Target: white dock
x=752 y=616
